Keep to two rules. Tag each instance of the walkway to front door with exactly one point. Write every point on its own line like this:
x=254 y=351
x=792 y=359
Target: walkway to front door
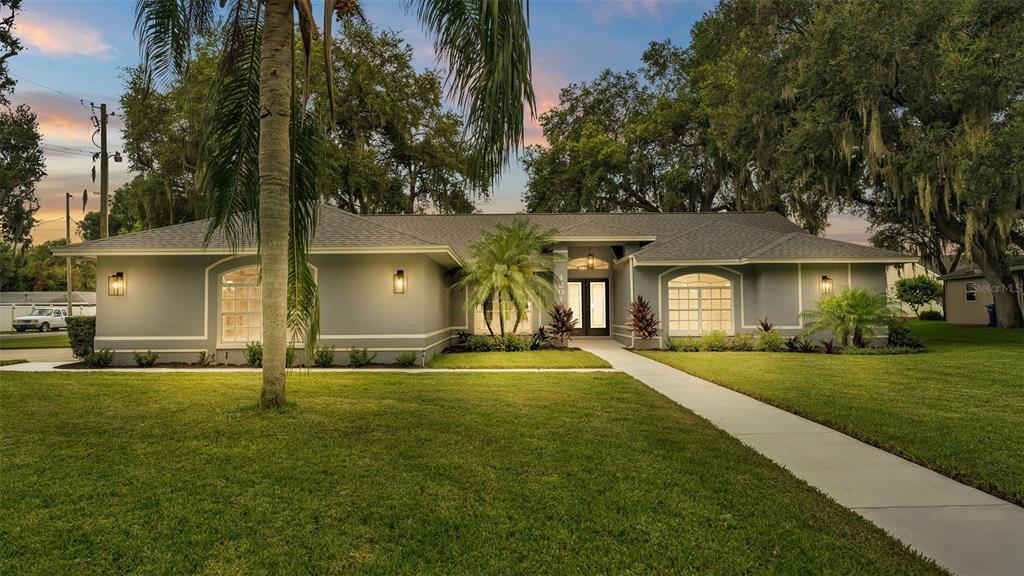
x=963 y=529
x=588 y=300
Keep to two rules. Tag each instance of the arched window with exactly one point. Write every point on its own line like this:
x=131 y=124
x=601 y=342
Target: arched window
x=699 y=303
x=241 y=312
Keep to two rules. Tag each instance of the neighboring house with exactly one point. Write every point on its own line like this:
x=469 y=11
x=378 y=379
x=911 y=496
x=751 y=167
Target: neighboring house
x=15 y=304
x=385 y=280
x=908 y=270
x=968 y=293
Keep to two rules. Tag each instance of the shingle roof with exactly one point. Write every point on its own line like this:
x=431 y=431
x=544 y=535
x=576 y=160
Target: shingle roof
x=970 y=270
x=716 y=236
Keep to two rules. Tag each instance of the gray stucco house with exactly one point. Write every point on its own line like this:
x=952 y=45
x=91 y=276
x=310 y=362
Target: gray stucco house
x=385 y=279
x=967 y=294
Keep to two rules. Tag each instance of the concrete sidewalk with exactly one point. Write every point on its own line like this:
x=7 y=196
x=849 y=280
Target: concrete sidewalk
x=965 y=530
x=52 y=367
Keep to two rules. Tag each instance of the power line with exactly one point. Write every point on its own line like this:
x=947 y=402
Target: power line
x=50 y=88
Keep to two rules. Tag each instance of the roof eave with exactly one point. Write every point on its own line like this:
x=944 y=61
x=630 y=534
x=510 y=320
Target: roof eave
x=741 y=261
x=446 y=256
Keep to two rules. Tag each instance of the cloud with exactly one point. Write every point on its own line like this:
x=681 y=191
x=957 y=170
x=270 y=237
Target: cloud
x=633 y=9
x=65 y=121
x=55 y=37
x=547 y=83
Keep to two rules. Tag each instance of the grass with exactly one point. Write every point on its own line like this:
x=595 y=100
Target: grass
x=12 y=362
x=58 y=340
x=957 y=408
x=530 y=359
x=410 y=473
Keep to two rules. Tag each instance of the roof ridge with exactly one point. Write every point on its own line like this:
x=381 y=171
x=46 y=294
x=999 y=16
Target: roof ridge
x=783 y=237
x=368 y=221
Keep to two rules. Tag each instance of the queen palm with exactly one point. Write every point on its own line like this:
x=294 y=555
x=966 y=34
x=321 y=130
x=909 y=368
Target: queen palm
x=852 y=315
x=263 y=147
x=510 y=266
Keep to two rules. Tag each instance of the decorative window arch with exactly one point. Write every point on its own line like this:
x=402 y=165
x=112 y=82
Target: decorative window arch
x=241 y=306
x=699 y=303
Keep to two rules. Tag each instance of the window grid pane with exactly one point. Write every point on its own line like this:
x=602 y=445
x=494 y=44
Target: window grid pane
x=241 y=306
x=699 y=303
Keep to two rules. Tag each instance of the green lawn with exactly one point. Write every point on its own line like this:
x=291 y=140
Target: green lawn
x=958 y=408
x=57 y=340
x=531 y=359
x=400 y=473
x=12 y=362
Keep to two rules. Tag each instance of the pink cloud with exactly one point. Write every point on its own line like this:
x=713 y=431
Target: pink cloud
x=635 y=9
x=55 y=37
x=547 y=83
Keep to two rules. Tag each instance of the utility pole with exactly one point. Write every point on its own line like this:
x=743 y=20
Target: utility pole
x=67 y=262
x=104 y=171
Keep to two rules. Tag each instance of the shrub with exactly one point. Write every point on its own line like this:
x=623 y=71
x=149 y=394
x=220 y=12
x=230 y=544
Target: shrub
x=642 y=320
x=852 y=316
x=882 y=351
x=146 y=359
x=323 y=356
x=81 y=334
x=741 y=343
x=770 y=342
x=541 y=339
x=931 y=315
x=800 y=344
x=562 y=324
x=830 y=347
x=688 y=344
x=254 y=354
x=480 y=343
x=204 y=359
x=406 y=359
x=671 y=345
x=900 y=337
x=714 y=341
x=462 y=339
x=359 y=357
x=99 y=358
x=513 y=343
x=764 y=325
x=918 y=291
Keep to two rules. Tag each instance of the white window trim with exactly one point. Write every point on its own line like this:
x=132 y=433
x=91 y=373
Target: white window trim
x=220 y=309
x=732 y=308
x=968 y=291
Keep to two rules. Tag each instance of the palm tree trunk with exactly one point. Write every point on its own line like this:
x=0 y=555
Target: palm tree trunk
x=274 y=166
x=501 y=316
x=488 y=309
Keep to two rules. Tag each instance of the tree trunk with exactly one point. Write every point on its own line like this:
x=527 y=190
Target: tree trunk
x=501 y=316
x=994 y=264
x=488 y=308
x=275 y=160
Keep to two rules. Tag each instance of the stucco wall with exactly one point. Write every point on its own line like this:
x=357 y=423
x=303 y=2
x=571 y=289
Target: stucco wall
x=163 y=306
x=778 y=292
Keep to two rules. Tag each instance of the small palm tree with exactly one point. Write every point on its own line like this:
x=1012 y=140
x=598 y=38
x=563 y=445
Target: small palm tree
x=263 y=147
x=852 y=315
x=512 y=267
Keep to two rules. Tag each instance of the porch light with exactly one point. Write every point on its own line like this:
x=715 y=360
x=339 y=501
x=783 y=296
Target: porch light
x=116 y=284
x=826 y=285
x=399 y=282
x=590 y=258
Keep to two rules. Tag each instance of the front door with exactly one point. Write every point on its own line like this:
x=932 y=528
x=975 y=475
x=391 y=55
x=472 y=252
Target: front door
x=588 y=300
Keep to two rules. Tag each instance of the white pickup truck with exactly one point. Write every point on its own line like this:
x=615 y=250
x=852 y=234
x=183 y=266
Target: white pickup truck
x=42 y=319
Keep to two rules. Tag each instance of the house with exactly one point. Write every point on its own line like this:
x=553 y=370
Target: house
x=385 y=280
x=897 y=272
x=967 y=293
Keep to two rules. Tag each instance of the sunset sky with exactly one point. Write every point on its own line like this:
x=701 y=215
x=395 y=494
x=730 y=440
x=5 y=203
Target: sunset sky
x=75 y=52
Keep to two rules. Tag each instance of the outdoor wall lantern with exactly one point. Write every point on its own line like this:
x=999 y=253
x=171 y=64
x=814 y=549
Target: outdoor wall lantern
x=590 y=258
x=399 y=282
x=115 y=284
x=826 y=285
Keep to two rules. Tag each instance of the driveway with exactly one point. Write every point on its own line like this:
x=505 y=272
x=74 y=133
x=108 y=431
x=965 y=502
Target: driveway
x=39 y=355
x=965 y=530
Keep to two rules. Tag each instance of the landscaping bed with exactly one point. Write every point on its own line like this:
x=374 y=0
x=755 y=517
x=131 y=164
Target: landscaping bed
x=567 y=358
x=958 y=409
x=386 y=474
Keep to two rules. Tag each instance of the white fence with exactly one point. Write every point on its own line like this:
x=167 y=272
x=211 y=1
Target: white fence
x=8 y=312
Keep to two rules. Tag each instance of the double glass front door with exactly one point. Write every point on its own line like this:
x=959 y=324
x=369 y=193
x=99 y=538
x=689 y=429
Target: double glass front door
x=588 y=300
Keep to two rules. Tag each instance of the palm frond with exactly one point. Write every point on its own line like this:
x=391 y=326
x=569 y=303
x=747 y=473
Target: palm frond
x=229 y=170
x=166 y=28
x=486 y=44
x=307 y=176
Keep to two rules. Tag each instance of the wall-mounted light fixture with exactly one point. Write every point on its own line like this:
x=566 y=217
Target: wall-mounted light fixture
x=826 y=285
x=399 y=282
x=590 y=258
x=116 y=284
